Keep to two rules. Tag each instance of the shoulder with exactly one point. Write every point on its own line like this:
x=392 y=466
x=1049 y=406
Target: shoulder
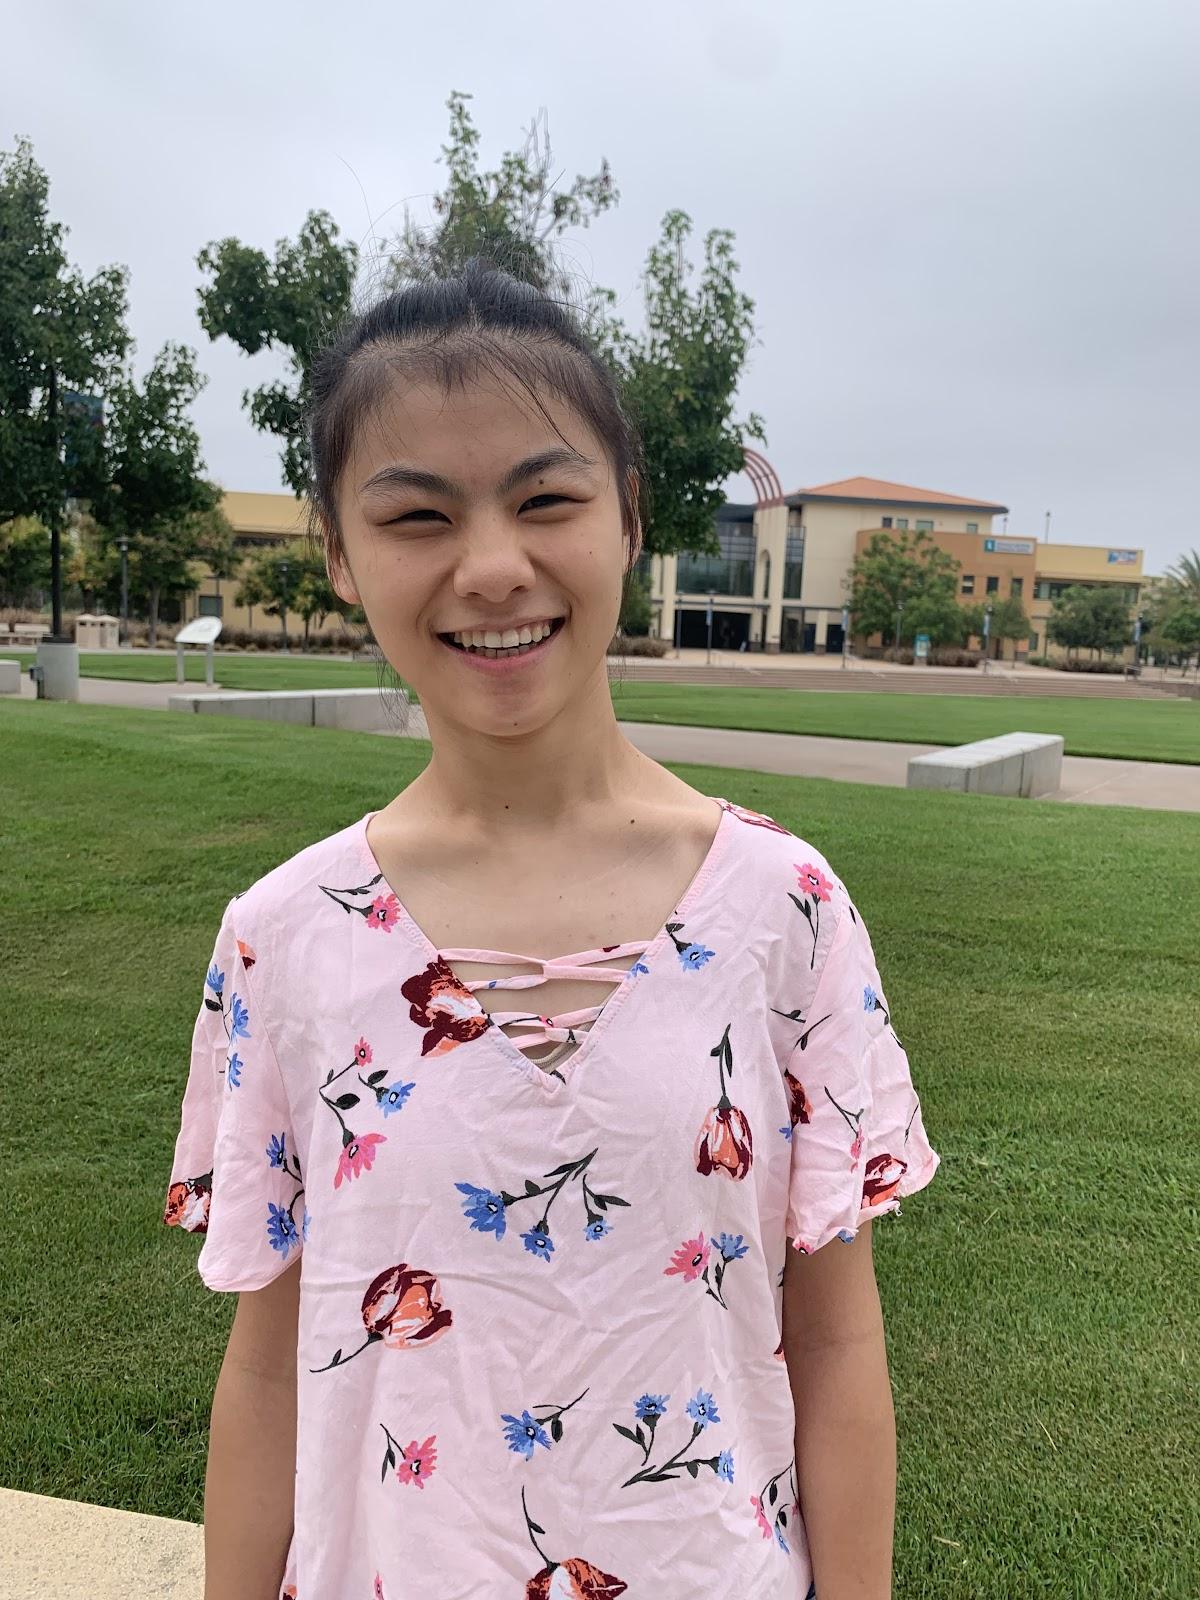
x=283 y=895
x=764 y=846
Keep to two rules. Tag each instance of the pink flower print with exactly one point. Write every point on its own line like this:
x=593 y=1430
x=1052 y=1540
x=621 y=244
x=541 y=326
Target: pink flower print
x=384 y=912
x=813 y=881
x=803 y=1246
x=763 y=1524
x=378 y=1587
x=420 y=1460
x=856 y=1148
x=362 y=1053
x=690 y=1259
x=357 y=1157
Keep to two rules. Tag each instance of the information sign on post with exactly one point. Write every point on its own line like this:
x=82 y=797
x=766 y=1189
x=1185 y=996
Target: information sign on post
x=921 y=647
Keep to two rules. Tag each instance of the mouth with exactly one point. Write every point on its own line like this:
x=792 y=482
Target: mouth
x=502 y=658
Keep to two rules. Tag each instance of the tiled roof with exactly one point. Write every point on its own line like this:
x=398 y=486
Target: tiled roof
x=879 y=489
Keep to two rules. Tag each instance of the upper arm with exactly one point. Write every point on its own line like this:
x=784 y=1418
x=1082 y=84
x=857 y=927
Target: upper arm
x=263 y=1339
x=831 y=1297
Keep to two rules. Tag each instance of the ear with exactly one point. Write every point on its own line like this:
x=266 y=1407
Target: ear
x=341 y=579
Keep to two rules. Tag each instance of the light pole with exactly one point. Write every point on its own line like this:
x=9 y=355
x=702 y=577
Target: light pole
x=899 y=615
x=123 y=547
x=845 y=633
x=283 y=573
x=987 y=628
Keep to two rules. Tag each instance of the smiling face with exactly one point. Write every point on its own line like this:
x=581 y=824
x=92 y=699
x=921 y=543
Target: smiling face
x=467 y=512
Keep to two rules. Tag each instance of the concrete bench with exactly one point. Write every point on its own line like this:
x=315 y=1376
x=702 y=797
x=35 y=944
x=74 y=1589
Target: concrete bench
x=362 y=710
x=10 y=677
x=1026 y=764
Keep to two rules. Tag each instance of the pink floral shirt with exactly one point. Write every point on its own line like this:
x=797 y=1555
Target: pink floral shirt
x=540 y=1347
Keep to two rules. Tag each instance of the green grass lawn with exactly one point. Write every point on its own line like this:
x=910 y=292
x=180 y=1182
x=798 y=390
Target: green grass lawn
x=1042 y=963
x=1142 y=730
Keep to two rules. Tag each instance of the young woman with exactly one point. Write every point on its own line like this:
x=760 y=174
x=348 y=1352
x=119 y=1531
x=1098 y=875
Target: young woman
x=535 y=1303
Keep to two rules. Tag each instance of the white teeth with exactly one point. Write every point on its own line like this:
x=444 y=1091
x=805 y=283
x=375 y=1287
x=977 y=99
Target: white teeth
x=510 y=639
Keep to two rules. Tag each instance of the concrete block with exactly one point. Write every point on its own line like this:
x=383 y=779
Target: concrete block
x=1028 y=764
x=10 y=677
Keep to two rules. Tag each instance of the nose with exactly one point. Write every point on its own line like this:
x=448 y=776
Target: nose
x=492 y=558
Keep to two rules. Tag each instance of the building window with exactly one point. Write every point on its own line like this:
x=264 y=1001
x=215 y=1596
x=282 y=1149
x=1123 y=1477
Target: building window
x=209 y=605
x=730 y=572
x=968 y=583
x=993 y=584
x=902 y=522
x=1016 y=588
x=972 y=527
x=924 y=527
x=1033 y=643
x=885 y=522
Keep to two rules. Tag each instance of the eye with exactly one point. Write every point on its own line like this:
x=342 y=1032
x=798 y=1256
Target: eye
x=540 y=502
x=425 y=514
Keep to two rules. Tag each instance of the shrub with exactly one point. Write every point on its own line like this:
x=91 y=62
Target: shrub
x=949 y=656
x=637 y=645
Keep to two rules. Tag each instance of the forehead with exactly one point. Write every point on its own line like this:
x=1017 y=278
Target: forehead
x=470 y=431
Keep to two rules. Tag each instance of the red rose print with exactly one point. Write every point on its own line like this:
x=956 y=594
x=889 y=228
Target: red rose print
x=247 y=954
x=445 y=1007
x=403 y=1307
x=574 y=1580
x=799 y=1107
x=882 y=1178
x=725 y=1144
x=187 y=1204
x=756 y=819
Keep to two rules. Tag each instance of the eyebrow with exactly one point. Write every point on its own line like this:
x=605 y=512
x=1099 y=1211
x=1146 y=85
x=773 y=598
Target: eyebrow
x=399 y=477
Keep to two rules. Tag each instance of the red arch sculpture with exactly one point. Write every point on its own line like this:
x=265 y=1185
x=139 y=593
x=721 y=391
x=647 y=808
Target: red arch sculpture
x=767 y=487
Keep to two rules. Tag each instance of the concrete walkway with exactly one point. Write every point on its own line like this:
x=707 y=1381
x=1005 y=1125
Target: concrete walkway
x=71 y=1551
x=1086 y=780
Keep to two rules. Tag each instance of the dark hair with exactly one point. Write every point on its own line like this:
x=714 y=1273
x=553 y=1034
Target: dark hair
x=451 y=329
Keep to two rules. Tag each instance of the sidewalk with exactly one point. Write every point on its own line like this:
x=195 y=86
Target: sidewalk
x=1086 y=780
x=72 y=1551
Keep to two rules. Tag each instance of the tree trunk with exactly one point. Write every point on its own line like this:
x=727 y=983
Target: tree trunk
x=307 y=620
x=283 y=624
x=152 y=636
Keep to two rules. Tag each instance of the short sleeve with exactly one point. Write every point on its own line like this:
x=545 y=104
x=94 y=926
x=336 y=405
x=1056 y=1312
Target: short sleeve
x=236 y=1177
x=858 y=1140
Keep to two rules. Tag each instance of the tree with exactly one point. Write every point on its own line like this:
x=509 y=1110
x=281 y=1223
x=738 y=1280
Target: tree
x=679 y=378
x=908 y=567
x=636 y=611
x=293 y=304
x=1185 y=575
x=1008 y=621
x=154 y=486
x=1180 y=630
x=24 y=562
x=60 y=334
x=1084 y=617
x=510 y=217
x=288 y=577
x=314 y=598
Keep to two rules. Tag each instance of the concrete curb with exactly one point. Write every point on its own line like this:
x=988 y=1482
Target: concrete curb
x=75 y=1551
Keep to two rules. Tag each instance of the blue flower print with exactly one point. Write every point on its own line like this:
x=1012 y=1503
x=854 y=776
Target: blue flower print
x=638 y=966
x=233 y=1071
x=304 y=1225
x=483 y=1209
x=281 y=1230
x=394 y=1096
x=596 y=1228
x=694 y=956
x=215 y=980
x=538 y=1242
x=725 y=1465
x=781 y=1541
x=786 y=1131
x=239 y=1019
x=845 y=1236
x=870 y=998
x=650 y=1405
x=523 y=1433
x=277 y=1150
x=702 y=1408
x=731 y=1246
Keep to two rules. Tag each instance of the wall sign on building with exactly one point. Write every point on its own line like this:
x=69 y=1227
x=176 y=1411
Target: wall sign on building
x=1124 y=557
x=1009 y=547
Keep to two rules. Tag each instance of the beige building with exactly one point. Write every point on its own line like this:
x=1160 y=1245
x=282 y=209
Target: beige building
x=780 y=582
x=1059 y=566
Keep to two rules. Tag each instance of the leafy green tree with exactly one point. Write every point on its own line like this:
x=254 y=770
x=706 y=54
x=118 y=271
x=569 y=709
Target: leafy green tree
x=24 y=562
x=1090 y=618
x=291 y=304
x=909 y=567
x=679 y=378
x=288 y=577
x=1180 y=629
x=155 y=485
x=1008 y=621
x=60 y=333
x=636 y=610
x=510 y=217
x=314 y=597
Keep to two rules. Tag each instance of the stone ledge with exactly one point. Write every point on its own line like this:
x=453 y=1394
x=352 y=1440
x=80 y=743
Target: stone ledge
x=74 y=1551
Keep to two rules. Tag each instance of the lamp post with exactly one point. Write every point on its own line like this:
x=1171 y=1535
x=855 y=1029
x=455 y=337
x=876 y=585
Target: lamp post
x=899 y=615
x=283 y=573
x=845 y=633
x=987 y=628
x=123 y=547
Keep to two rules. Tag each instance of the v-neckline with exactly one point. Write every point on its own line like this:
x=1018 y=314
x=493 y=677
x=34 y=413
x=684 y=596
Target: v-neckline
x=553 y=1083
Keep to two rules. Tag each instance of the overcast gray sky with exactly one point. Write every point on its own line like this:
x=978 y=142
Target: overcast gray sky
x=970 y=226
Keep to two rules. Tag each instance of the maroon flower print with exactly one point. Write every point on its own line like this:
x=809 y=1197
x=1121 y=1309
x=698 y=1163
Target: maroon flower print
x=575 y=1579
x=799 y=1107
x=725 y=1144
x=246 y=953
x=445 y=1007
x=882 y=1178
x=815 y=889
x=402 y=1308
x=187 y=1204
